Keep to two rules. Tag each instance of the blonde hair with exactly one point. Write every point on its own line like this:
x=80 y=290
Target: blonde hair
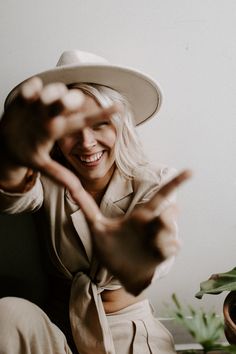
x=128 y=148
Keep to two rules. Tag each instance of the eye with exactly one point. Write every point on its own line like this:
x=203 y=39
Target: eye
x=101 y=125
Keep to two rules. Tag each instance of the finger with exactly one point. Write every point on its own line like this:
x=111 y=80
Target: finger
x=105 y=113
x=31 y=89
x=61 y=125
x=51 y=98
x=167 y=246
x=165 y=240
x=61 y=101
x=166 y=219
x=79 y=120
x=53 y=92
x=73 y=101
x=167 y=189
x=68 y=179
x=165 y=223
x=63 y=108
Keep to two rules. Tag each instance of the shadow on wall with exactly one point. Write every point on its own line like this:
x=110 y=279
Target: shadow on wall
x=21 y=268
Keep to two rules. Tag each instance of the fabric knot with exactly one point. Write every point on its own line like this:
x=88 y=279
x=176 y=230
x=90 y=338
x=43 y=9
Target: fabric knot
x=89 y=324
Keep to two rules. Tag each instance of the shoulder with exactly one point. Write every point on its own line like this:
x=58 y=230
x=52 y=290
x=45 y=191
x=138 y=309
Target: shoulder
x=51 y=188
x=149 y=179
x=153 y=175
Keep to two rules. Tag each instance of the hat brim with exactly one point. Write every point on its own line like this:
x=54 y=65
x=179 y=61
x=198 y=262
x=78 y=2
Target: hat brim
x=141 y=91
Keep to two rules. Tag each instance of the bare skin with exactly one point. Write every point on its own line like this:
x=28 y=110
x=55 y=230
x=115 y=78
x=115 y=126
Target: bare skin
x=130 y=247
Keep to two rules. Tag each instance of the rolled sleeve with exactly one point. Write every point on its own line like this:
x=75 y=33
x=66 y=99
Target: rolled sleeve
x=164 y=175
x=29 y=201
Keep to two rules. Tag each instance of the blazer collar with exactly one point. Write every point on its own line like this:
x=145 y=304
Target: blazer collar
x=118 y=189
x=114 y=203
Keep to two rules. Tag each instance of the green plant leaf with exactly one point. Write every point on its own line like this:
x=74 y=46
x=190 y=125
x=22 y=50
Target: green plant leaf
x=218 y=283
x=224 y=348
x=206 y=329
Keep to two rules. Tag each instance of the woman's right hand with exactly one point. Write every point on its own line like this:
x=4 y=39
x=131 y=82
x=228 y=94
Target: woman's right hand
x=38 y=117
x=132 y=246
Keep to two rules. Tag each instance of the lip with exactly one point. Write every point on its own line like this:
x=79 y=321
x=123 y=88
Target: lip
x=90 y=163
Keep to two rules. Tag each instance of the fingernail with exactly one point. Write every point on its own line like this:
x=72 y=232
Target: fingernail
x=31 y=87
x=73 y=100
x=27 y=90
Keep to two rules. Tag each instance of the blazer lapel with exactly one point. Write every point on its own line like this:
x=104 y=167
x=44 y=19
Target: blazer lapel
x=117 y=197
x=81 y=226
x=114 y=203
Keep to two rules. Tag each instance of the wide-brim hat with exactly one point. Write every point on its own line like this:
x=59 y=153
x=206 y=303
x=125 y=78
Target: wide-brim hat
x=142 y=92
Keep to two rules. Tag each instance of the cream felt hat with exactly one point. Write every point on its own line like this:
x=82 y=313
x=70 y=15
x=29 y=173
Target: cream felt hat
x=141 y=91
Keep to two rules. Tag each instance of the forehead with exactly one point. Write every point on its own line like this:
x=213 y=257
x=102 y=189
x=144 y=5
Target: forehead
x=90 y=104
x=90 y=101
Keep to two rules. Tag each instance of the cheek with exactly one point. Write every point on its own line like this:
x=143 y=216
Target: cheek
x=111 y=138
x=65 y=145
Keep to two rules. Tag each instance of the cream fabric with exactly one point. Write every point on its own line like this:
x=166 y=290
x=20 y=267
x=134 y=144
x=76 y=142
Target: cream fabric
x=71 y=249
x=26 y=329
x=135 y=330
x=141 y=91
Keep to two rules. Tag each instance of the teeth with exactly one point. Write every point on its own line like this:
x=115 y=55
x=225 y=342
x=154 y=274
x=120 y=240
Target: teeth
x=91 y=158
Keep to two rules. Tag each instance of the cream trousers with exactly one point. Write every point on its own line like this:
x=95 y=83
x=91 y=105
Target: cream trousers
x=26 y=329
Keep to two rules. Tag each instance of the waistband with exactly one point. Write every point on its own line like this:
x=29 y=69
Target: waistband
x=136 y=311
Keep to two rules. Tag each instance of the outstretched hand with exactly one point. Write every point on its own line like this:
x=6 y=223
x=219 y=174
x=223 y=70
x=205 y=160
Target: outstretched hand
x=131 y=247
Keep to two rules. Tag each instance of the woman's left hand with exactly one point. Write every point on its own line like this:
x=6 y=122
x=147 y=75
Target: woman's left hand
x=131 y=247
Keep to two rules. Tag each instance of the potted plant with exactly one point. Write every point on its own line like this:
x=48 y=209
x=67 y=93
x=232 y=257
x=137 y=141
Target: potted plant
x=216 y=284
x=206 y=329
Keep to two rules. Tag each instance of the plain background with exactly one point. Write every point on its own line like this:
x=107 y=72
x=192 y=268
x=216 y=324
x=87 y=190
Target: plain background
x=189 y=46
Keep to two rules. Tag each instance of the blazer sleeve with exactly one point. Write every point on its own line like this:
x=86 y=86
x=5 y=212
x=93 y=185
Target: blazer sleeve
x=163 y=174
x=162 y=269
x=15 y=203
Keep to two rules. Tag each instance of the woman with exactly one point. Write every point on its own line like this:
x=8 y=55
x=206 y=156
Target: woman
x=119 y=200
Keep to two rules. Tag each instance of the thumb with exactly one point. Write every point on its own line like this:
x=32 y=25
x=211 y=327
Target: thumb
x=68 y=179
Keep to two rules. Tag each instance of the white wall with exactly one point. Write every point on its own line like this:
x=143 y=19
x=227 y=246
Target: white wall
x=189 y=46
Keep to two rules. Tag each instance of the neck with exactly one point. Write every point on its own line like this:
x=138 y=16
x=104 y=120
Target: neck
x=97 y=187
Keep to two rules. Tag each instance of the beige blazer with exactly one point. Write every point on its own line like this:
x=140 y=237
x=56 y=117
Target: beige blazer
x=71 y=249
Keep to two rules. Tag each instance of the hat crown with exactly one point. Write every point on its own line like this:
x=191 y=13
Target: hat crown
x=78 y=57
x=141 y=91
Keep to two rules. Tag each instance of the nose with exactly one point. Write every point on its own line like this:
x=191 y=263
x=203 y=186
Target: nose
x=87 y=139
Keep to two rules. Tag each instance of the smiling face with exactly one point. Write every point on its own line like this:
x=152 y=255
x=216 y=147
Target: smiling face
x=90 y=151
